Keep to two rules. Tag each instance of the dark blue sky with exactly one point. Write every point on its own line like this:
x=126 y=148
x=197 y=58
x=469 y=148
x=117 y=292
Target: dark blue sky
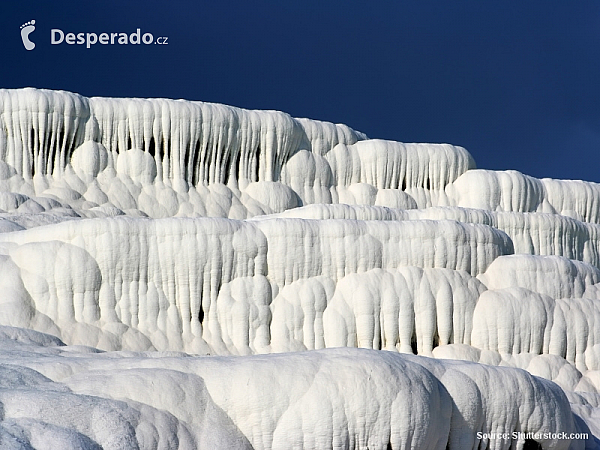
x=516 y=83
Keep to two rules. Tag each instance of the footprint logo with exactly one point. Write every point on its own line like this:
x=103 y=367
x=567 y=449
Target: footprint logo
x=26 y=30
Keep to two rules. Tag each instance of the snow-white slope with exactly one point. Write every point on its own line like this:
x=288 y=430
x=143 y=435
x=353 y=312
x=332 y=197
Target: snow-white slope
x=135 y=229
x=55 y=396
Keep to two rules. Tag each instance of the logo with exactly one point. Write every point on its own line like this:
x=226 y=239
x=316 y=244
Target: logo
x=58 y=37
x=26 y=30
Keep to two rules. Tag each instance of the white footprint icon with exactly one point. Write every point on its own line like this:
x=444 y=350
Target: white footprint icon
x=26 y=30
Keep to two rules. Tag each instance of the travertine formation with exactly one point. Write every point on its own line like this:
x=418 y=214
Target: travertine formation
x=133 y=230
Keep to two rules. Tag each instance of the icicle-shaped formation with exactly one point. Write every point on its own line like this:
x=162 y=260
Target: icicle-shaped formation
x=191 y=141
x=363 y=267
x=513 y=191
x=176 y=283
x=131 y=153
x=531 y=233
x=538 y=324
x=393 y=165
x=200 y=142
x=39 y=129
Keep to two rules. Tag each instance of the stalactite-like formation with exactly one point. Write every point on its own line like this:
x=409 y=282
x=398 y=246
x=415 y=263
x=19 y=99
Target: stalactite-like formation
x=135 y=229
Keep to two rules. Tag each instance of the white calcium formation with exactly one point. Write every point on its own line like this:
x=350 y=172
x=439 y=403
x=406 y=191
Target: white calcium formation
x=182 y=275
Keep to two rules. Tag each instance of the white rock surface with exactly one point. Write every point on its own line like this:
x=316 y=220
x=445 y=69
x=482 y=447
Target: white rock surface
x=134 y=230
x=73 y=397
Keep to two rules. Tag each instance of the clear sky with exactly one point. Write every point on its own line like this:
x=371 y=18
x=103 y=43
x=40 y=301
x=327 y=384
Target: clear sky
x=517 y=83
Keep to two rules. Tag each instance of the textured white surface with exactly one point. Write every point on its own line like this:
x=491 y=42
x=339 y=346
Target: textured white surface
x=177 y=283
x=134 y=229
x=74 y=397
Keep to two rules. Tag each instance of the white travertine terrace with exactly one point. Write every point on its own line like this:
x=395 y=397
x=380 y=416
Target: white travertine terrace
x=182 y=275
